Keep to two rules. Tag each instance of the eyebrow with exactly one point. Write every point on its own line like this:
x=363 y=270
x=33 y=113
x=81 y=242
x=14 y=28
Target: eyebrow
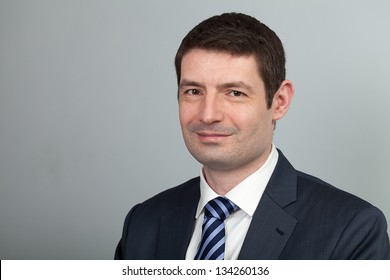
x=189 y=83
x=237 y=84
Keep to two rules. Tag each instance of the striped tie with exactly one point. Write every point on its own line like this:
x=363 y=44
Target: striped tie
x=212 y=244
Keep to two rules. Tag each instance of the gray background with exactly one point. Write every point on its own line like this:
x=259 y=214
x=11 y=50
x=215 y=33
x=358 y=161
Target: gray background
x=89 y=120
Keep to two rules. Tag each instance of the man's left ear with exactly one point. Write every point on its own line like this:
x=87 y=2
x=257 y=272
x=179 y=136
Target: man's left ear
x=282 y=100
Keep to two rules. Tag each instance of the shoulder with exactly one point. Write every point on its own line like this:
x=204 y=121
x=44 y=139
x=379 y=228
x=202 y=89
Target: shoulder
x=352 y=227
x=301 y=191
x=174 y=195
x=313 y=189
x=185 y=193
x=142 y=227
x=322 y=201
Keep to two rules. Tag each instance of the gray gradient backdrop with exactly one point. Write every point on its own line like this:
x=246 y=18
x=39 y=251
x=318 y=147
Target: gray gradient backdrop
x=89 y=119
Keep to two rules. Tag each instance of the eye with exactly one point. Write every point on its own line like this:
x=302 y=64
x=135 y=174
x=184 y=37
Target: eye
x=192 y=92
x=236 y=93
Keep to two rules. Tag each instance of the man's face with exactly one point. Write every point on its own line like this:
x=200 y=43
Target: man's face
x=223 y=113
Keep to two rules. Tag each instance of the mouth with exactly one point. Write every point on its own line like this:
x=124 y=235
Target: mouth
x=211 y=137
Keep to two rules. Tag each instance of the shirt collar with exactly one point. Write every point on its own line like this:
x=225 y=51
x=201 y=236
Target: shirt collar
x=246 y=195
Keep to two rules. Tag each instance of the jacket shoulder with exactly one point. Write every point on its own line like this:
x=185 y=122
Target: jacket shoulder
x=336 y=224
x=313 y=189
x=174 y=196
x=141 y=230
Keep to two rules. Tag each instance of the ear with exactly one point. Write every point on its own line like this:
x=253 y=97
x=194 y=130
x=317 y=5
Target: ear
x=282 y=100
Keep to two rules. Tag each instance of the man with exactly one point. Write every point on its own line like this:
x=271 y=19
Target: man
x=249 y=202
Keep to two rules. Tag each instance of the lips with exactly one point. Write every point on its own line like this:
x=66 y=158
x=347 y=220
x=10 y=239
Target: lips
x=212 y=134
x=211 y=137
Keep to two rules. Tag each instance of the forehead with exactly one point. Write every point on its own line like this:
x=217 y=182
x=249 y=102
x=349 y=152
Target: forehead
x=209 y=64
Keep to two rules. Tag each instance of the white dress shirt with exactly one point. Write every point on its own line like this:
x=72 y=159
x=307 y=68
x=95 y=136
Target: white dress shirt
x=246 y=195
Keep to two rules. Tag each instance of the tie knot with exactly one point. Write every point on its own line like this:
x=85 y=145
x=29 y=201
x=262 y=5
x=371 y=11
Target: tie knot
x=220 y=208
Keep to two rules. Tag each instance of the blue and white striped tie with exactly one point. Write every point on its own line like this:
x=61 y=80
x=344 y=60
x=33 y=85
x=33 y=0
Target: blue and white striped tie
x=212 y=244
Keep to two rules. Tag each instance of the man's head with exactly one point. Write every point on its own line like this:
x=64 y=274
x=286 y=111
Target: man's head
x=239 y=35
x=231 y=92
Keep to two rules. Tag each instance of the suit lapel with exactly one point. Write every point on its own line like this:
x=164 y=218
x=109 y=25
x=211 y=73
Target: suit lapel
x=177 y=226
x=268 y=233
x=271 y=225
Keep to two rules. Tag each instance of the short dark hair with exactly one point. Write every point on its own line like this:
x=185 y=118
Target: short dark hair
x=239 y=34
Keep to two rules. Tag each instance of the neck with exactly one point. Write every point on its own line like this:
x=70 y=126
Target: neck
x=224 y=180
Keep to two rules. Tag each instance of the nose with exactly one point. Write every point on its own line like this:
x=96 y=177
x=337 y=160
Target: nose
x=211 y=109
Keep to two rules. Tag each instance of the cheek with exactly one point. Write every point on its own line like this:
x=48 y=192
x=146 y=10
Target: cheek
x=185 y=115
x=188 y=109
x=182 y=112
x=244 y=116
x=253 y=122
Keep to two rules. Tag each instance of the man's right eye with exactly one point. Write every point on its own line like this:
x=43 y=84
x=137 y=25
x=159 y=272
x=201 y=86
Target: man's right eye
x=192 y=92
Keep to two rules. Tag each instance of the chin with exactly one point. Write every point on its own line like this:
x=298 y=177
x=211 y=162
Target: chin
x=216 y=164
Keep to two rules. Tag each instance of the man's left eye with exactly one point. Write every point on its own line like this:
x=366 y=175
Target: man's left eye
x=236 y=93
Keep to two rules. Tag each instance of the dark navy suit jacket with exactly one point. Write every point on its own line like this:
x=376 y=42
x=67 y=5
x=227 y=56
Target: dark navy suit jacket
x=298 y=217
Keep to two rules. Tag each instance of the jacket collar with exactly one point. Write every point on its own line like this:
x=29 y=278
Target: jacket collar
x=272 y=226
